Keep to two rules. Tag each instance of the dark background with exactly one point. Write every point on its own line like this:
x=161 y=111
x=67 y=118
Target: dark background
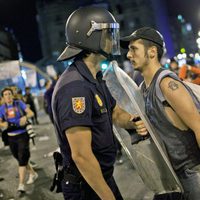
x=20 y=16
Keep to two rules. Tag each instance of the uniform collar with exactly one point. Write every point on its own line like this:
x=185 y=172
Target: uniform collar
x=84 y=71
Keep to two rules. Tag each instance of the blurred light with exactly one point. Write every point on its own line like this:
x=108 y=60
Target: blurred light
x=166 y=65
x=104 y=65
x=188 y=27
x=191 y=55
x=168 y=60
x=199 y=33
x=182 y=50
x=199 y=46
x=198 y=40
x=196 y=55
x=179 y=56
x=23 y=74
x=180 y=17
x=184 y=55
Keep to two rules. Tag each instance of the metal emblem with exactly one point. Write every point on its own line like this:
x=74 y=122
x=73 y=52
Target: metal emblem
x=78 y=104
x=99 y=101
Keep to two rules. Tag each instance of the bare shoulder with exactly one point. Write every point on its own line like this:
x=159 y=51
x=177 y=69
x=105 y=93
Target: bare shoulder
x=169 y=84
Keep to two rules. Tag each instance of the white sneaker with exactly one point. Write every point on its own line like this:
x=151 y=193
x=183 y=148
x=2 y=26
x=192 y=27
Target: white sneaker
x=32 y=178
x=21 y=188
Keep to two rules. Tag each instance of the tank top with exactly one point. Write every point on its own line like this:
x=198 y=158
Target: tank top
x=181 y=145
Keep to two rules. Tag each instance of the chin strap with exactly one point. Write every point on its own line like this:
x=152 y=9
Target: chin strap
x=109 y=57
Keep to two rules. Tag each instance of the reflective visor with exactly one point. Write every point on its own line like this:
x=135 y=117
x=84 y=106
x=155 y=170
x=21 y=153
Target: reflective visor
x=110 y=39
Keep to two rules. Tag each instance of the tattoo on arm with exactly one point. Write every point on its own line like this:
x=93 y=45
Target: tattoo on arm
x=172 y=85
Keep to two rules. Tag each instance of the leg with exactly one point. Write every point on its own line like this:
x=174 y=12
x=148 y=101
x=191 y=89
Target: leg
x=23 y=157
x=32 y=174
x=22 y=174
x=72 y=191
x=30 y=169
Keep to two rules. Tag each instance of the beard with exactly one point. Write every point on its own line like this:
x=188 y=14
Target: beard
x=143 y=65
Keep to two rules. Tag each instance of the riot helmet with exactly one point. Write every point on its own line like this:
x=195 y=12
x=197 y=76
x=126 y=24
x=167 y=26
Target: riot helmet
x=93 y=29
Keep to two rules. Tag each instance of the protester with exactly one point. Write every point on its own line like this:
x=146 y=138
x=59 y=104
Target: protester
x=170 y=106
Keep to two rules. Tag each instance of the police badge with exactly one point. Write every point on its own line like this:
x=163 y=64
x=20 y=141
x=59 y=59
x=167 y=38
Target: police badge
x=78 y=104
x=99 y=101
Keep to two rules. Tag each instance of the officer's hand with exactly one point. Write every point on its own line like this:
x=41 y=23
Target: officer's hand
x=139 y=125
x=22 y=121
x=140 y=128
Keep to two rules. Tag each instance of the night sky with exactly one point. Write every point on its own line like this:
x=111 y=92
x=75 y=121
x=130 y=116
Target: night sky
x=20 y=15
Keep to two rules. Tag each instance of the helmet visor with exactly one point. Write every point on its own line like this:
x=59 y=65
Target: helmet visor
x=110 y=38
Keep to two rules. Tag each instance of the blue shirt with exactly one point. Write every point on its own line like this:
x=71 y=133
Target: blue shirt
x=80 y=100
x=12 y=114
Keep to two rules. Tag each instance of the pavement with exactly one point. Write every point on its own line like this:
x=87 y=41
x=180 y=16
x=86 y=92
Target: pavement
x=128 y=181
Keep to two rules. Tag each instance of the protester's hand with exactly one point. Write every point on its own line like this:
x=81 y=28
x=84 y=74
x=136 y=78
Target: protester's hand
x=22 y=121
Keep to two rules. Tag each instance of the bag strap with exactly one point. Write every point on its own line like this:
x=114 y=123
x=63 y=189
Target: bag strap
x=22 y=112
x=193 y=89
x=163 y=74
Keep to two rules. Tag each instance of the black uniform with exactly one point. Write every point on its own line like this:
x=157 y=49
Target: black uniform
x=81 y=100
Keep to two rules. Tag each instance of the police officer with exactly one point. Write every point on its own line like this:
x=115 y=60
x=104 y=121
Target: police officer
x=84 y=109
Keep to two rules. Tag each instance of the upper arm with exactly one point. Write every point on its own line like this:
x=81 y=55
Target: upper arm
x=73 y=106
x=180 y=100
x=29 y=111
x=117 y=111
x=79 y=139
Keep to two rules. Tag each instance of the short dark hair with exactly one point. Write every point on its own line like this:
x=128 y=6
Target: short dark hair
x=6 y=89
x=83 y=54
x=148 y=44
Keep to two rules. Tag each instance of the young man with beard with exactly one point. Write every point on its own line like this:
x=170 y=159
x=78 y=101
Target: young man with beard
x=170 y=106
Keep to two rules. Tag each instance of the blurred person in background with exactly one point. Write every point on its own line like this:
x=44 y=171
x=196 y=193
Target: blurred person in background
x=49 y=85
x=190 y=72
x=173 y=66
x=28 y=99
x=15 y=123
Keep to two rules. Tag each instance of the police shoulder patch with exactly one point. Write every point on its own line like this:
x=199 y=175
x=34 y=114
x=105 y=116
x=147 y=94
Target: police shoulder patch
x=78 y=104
